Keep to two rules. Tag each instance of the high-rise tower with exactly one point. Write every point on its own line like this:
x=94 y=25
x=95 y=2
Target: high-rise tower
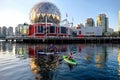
x=102 y=21
x=119 y=22
x=89 y=22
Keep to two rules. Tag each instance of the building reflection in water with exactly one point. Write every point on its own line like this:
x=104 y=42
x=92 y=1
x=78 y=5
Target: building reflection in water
x=119 y=61
x=7 y=48
x=42 y=49
x=4 y=47
x=0 y=47
x=89 y=53
x=101 y=57
x=41 y=65
x=21 y=51
x=44 y=66
x=95 y=53
x=10 y=47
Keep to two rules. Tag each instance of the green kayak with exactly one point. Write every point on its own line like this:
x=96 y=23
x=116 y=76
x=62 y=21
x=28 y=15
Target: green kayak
x=68 y=60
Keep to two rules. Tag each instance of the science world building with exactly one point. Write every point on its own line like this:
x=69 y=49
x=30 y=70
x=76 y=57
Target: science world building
x=45 y=20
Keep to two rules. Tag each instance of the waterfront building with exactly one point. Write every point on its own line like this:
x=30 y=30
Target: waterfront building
x=102 y=21
x=16 y=31
x=119 y=22
x=89 y=31
x=45 y=21
x=25 y=30
x=89 y=22
x=4 y=31
x=10 y=31
x=22 y=30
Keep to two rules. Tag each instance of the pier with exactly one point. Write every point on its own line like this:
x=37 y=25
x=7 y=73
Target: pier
x=35 y=39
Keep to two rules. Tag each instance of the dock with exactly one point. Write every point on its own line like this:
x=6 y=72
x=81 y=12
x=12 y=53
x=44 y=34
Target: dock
x=58 y=40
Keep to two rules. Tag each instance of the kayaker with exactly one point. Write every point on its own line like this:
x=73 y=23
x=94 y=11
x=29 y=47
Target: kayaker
x=70 y=56
x=51 y=48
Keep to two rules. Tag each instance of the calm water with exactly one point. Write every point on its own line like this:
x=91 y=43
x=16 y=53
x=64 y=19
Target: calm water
x=25 y=62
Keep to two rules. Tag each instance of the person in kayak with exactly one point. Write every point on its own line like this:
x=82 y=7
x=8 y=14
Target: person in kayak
x=70 y=56
x=51 y=48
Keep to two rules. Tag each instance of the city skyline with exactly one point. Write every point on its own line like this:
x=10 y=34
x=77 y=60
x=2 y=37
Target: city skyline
x=18 y=11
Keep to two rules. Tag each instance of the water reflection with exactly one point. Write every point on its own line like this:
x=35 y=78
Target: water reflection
x=101 y=57
x=92 y=59
x=42 y=66
x=118 y=61
x=7 y=48
x=89 y=53
x=42 y=49
x=21 y=51
x=4 y=46
x=0 y=46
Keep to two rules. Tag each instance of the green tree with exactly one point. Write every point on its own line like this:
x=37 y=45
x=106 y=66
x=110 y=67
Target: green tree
x=114 y=34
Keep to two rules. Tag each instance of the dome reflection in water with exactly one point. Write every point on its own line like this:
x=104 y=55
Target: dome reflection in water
x=42 y=66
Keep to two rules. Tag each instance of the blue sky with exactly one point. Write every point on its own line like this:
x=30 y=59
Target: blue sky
x=13 y=12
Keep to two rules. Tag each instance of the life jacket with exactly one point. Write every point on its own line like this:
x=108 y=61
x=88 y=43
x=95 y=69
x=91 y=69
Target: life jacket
x=70 y=56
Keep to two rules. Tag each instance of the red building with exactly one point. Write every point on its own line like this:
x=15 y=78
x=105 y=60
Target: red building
x=40 y=30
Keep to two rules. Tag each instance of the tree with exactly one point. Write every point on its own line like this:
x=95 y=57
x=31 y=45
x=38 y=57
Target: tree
x=114 y=34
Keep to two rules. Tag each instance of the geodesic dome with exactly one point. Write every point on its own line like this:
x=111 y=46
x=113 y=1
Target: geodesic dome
x=45 y=10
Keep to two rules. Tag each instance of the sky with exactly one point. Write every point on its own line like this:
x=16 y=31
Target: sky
x=14 y=12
